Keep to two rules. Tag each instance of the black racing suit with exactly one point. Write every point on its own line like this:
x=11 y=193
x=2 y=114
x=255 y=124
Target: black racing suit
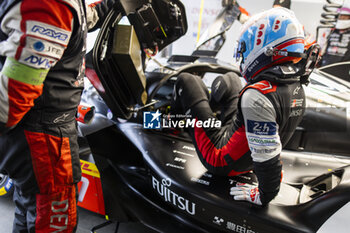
x=264 y=118
x=338 y=47
x=42 y=49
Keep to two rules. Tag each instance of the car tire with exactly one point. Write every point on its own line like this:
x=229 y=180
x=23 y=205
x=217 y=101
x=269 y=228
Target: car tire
x=6 y=186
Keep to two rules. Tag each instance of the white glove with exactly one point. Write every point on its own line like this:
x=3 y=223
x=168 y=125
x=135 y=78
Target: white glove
x=246 y=192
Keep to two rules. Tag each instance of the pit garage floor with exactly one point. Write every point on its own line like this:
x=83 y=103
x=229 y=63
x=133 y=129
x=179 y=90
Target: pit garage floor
x=87 y=220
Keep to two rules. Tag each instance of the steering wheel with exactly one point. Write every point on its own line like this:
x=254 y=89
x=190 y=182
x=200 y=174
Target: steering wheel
x=199 y=69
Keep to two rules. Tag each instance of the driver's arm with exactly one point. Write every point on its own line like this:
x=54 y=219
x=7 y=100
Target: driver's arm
x=264 y=142
x=36 y=37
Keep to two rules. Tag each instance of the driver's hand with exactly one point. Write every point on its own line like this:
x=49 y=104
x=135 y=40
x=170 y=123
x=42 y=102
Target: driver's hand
x=246 y=192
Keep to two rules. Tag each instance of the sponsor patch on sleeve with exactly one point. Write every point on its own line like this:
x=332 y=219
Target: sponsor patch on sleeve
x=44 y=48
x=261 y=128
x=36 y=61
x=47 y=32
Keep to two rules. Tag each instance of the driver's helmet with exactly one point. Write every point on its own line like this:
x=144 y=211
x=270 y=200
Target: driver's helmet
x=343 y=21
x=269 y=38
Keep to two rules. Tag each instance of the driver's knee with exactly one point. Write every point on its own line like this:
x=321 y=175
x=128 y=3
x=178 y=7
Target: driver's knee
x=225 y=94
x=189 y=90
x=226 y=87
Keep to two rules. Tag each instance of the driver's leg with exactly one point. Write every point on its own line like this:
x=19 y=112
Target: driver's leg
x=223 y=150
x=225 y=94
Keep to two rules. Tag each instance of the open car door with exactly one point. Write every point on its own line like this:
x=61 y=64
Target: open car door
x=214 y=37
x=118 y=54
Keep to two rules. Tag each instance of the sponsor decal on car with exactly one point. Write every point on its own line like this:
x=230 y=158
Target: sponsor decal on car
x=232 y=226
x=189 y=148
x=218 y=221
x=175 y=166
x=208 y=175
x=163 y=188
x=238 y=228
x=181 y=160
x=182 y=153
x=200 y=181
x=89 y=169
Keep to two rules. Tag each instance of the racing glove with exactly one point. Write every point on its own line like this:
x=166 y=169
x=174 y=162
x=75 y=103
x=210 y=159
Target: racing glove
x=246 y=192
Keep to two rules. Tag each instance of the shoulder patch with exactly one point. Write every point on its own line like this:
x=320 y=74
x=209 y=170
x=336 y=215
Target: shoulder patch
x=262 y=86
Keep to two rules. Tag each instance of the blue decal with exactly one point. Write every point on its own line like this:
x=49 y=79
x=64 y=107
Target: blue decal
x=261 y=127
x=151 y=120
x=39 y=46
x=8 y=186
x=50 y=33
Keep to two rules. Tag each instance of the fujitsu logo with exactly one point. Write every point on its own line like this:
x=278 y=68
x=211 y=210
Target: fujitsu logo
x=163 y=189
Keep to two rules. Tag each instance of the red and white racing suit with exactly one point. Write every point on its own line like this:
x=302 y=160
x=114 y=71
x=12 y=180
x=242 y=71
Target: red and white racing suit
x=42 y=49
x=261 y=120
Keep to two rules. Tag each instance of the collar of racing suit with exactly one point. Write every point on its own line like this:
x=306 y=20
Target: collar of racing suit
x=287 y=73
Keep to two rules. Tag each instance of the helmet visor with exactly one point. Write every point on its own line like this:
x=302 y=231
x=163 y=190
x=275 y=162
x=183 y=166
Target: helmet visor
x=240 y=48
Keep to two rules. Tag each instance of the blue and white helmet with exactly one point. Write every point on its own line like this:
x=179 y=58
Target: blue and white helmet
x=269 y=38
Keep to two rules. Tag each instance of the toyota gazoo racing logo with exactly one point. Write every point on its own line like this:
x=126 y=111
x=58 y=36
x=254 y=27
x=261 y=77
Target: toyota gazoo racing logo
x=163 y=189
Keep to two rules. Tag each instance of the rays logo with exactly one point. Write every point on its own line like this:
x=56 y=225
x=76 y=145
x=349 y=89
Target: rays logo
x=151 y=120
x=50 y=33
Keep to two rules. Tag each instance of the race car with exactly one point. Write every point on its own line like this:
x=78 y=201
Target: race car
x=133 y=173
x=152 y=174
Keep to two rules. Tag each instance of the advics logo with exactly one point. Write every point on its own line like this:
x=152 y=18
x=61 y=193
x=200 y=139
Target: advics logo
x=151 y=120
x=39 y=61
